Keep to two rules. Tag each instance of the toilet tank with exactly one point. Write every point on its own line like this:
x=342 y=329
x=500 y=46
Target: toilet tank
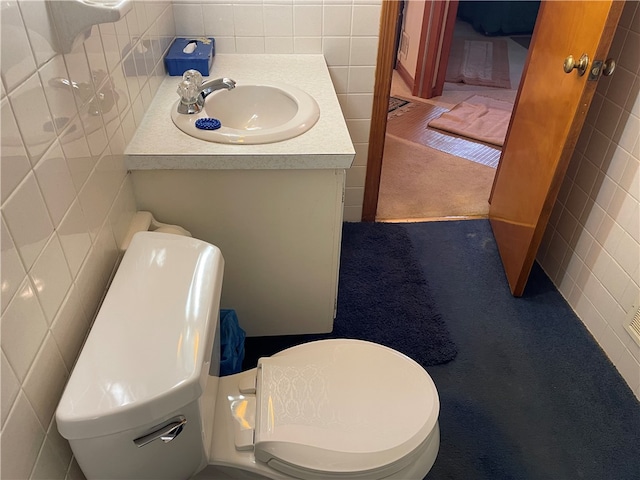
x=141 y=390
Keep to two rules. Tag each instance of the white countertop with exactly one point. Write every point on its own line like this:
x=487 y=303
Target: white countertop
x=159 y=144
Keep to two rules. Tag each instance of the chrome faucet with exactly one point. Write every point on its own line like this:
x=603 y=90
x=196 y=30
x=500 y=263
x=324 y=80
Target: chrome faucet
x=193 y=90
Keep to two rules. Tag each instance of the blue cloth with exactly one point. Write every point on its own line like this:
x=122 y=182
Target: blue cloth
x=231 y=343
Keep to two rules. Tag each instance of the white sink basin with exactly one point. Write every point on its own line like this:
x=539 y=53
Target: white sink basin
x=253 y=114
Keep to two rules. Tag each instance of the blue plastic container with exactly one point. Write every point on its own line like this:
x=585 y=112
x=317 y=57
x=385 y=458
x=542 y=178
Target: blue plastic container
x=177 y=61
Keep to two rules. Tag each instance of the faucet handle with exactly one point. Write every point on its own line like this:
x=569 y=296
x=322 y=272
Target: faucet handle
x=193 y=76
x=188 y=92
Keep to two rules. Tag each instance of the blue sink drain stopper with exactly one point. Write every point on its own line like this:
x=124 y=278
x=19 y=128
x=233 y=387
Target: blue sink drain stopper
x=208 y=124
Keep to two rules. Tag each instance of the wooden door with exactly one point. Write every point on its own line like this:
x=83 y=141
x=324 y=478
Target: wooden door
x=438 y=22
x=549 y=112
x=445 y=50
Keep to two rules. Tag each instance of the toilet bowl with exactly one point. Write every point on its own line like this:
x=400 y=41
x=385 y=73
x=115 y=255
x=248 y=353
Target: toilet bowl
x=144 y=400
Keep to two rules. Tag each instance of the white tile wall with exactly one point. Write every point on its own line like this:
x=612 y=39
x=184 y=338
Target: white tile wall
x=66 y=203
x=345 y=31
x=591 y=249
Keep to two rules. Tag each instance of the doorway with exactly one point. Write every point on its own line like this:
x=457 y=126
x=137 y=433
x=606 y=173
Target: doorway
x=427 y=174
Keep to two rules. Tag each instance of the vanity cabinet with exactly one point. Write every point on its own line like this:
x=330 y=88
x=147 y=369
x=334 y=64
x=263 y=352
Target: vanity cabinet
x=274 y=210
x=279 y=232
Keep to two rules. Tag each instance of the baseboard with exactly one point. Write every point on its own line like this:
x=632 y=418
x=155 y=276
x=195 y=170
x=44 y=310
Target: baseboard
x=405 y=75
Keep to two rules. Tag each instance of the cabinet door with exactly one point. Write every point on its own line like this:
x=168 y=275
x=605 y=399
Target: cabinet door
x=279 y=232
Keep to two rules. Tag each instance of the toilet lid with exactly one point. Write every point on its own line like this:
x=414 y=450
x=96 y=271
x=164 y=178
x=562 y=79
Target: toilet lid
x=341 y=407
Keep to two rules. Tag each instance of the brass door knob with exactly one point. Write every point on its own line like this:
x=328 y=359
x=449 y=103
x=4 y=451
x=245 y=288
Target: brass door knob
x=581 y=65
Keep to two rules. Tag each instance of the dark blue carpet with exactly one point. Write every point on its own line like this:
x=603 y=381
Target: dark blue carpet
x=530 y=395
x=383 y=297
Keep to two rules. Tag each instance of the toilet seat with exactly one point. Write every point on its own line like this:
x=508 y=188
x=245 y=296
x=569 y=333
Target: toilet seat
x=312 y=422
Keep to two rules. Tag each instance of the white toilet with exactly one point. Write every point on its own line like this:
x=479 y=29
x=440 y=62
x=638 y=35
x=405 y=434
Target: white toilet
x=144 y=400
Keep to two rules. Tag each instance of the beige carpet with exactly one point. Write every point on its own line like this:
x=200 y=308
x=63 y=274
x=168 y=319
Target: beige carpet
x=418 y=182
x=410 y=123
x=483 y=62
x=481 y=118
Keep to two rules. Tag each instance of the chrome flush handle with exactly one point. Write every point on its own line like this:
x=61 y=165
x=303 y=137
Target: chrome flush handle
x=165 y=433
